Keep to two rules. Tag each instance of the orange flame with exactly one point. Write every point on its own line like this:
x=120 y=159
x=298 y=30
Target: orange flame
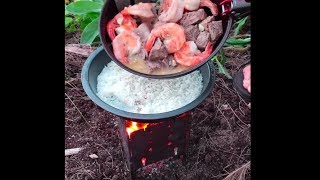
x=134 y=126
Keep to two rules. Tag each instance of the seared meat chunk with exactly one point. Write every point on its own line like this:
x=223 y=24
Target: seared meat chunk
x=192 y=33
x=203 y=25
x=143 y=31
x=158 y=51
x=202 y=40
x=215 y=30
x=166 y=63
x=193 y=17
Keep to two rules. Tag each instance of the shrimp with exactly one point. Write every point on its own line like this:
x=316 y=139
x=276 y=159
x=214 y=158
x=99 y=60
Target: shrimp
x=119 y=24
x=142 y=10
x=189 y=55
x=173 y=36
x=171 y=10
x=126 y=44
x=191 y=5
x=212 y=6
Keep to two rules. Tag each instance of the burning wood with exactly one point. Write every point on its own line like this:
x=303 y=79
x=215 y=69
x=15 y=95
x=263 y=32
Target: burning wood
x=132 y=126
x=147 y=143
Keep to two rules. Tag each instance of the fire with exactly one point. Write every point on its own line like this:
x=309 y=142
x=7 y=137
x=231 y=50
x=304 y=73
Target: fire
x=135 y=126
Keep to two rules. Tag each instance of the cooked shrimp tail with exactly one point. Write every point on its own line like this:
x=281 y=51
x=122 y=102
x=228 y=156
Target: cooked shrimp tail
x=120 y=23
x=126 y=44
x=171 y=10
x=150 y=41
x=111 y=26
x=172 y=34
x=189 y=55
x=142 y=10
x=212 y=6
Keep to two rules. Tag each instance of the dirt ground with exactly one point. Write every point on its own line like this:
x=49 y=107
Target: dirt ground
x=219 y=139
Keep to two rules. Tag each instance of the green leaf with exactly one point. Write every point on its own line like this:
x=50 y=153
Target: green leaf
x=234 y=41
x=83 y=7
x=240 y=25
x=96 y=41
x=215 y=58
x=90 y=32
x=223 y=70
x=84 y=22
x=67 y=21
x=65 y=11
x=78 y=19
x=223 y=58
x=93 y=15
x=99 y=1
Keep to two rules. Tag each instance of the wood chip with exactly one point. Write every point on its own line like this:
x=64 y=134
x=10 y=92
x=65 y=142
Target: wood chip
x=93 y=156
x=72 y=151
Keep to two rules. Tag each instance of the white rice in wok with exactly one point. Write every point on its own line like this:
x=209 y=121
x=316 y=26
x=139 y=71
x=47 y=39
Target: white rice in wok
x=132 y=93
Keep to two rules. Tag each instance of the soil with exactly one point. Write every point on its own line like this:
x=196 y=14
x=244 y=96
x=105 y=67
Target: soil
x=220 y=140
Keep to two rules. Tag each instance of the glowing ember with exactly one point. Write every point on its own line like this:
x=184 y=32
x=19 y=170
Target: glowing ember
x=143 y=161
x=135 y=126
x=175 y=151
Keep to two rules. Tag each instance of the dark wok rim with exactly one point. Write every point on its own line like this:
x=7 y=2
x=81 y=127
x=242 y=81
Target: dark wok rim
x=167 y=76
x=146 y=117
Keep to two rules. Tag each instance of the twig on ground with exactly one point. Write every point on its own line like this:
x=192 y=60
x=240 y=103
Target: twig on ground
x=239 y=174
x=218 y=176
x=107 y=152
x=225 y=118
x=77 y=109
x=68 y=119
x=70 y=80
x=242 y=152
x=236 y=115
x=224 y=84
x=231 y=48
x=227 y=167
x=72 y=85
x=204 y=149
x=240 y=108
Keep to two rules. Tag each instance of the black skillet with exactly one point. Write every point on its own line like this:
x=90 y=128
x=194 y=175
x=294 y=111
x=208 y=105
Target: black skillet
x=228 y=9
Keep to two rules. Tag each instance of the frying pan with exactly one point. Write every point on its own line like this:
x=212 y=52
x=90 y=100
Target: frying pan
x=99 y=59
x=227 y=9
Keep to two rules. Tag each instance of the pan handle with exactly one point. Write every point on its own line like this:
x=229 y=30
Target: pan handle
x=240 y=6
x=235 y=7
